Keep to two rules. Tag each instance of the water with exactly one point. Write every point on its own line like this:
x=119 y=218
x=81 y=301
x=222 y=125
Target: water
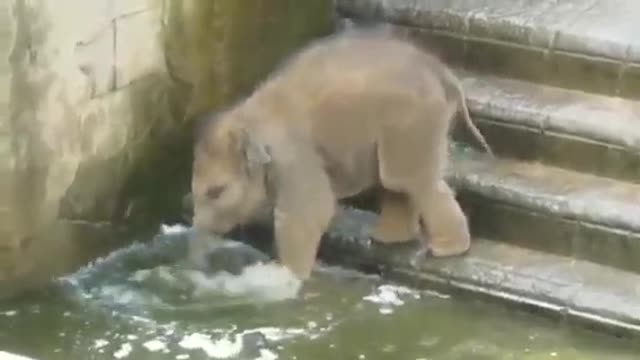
x=142 y=303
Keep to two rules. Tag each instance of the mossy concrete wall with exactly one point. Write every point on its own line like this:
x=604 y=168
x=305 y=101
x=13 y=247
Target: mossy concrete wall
x=100 y=96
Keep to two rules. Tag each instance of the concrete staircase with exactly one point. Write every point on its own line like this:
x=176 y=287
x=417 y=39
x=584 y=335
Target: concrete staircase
x=555 y=88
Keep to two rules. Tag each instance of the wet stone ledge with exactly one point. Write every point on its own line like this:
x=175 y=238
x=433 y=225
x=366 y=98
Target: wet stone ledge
x=63 y=247
x=577 y=292
x=588 y=45
x=564 y=212
x=580 y=292
x=564 y=193
x=571 y=129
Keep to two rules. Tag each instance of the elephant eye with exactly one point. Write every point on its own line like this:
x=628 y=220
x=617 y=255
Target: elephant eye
x=214 y=192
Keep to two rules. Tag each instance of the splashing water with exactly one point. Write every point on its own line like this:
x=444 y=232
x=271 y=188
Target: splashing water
x=146 y=302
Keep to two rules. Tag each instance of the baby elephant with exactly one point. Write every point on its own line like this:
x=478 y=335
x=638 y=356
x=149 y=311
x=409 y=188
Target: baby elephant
x=353 y=111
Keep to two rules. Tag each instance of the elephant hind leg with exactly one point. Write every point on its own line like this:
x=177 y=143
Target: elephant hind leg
x=443 y=222
x=412 y=160
x=397 y=222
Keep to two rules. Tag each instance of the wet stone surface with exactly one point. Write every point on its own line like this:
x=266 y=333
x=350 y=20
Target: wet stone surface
x=612 y=121
x=589 y=27
x=579 y=291
x=591 y=133
x=563 y=212
x=580 y=44
x=143 y=302
x=567 y=194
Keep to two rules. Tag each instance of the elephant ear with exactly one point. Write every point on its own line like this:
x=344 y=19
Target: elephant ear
x=255 y=152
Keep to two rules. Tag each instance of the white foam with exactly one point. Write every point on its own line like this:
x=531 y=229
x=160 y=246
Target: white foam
x=173 y=229
x=123 y=352
x=10 y=356
x=155 y=345
x=231 y=345
x=100 y=343
x=219 y=349
x=265 y=282
x=274 y=334
x=386 y=310
x=266 y=354
x=122 y=294
x=391 y=295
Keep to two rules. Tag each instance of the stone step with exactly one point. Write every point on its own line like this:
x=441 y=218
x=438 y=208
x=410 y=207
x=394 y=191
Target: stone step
x=578 y=291
x=582 y=293
x=550 y=209
x=589 y=45
x=566 y=128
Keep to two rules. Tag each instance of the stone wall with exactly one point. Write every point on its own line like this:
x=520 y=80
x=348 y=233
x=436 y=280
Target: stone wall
x=5 y=148
x=99 y=96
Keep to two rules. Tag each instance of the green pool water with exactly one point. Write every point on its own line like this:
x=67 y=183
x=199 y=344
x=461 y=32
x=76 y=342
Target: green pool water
x=141 y=303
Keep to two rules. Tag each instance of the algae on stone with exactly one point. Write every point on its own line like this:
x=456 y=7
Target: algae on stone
x=101 y=94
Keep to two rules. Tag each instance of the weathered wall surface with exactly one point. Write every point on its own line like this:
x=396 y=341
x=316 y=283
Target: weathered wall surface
x=5 y=149
x=99 y=96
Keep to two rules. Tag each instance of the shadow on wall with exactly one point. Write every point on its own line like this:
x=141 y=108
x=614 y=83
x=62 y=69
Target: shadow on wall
x=99 y=101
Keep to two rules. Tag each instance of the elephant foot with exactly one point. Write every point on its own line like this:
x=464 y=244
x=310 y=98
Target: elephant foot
x=446 y=247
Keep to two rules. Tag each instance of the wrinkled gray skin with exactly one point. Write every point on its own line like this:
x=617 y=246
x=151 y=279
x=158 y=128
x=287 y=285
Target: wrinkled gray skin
x=350 y=112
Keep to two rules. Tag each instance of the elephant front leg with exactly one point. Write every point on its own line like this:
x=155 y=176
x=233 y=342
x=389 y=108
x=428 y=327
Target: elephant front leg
x=305 y=206
x=297 y=244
